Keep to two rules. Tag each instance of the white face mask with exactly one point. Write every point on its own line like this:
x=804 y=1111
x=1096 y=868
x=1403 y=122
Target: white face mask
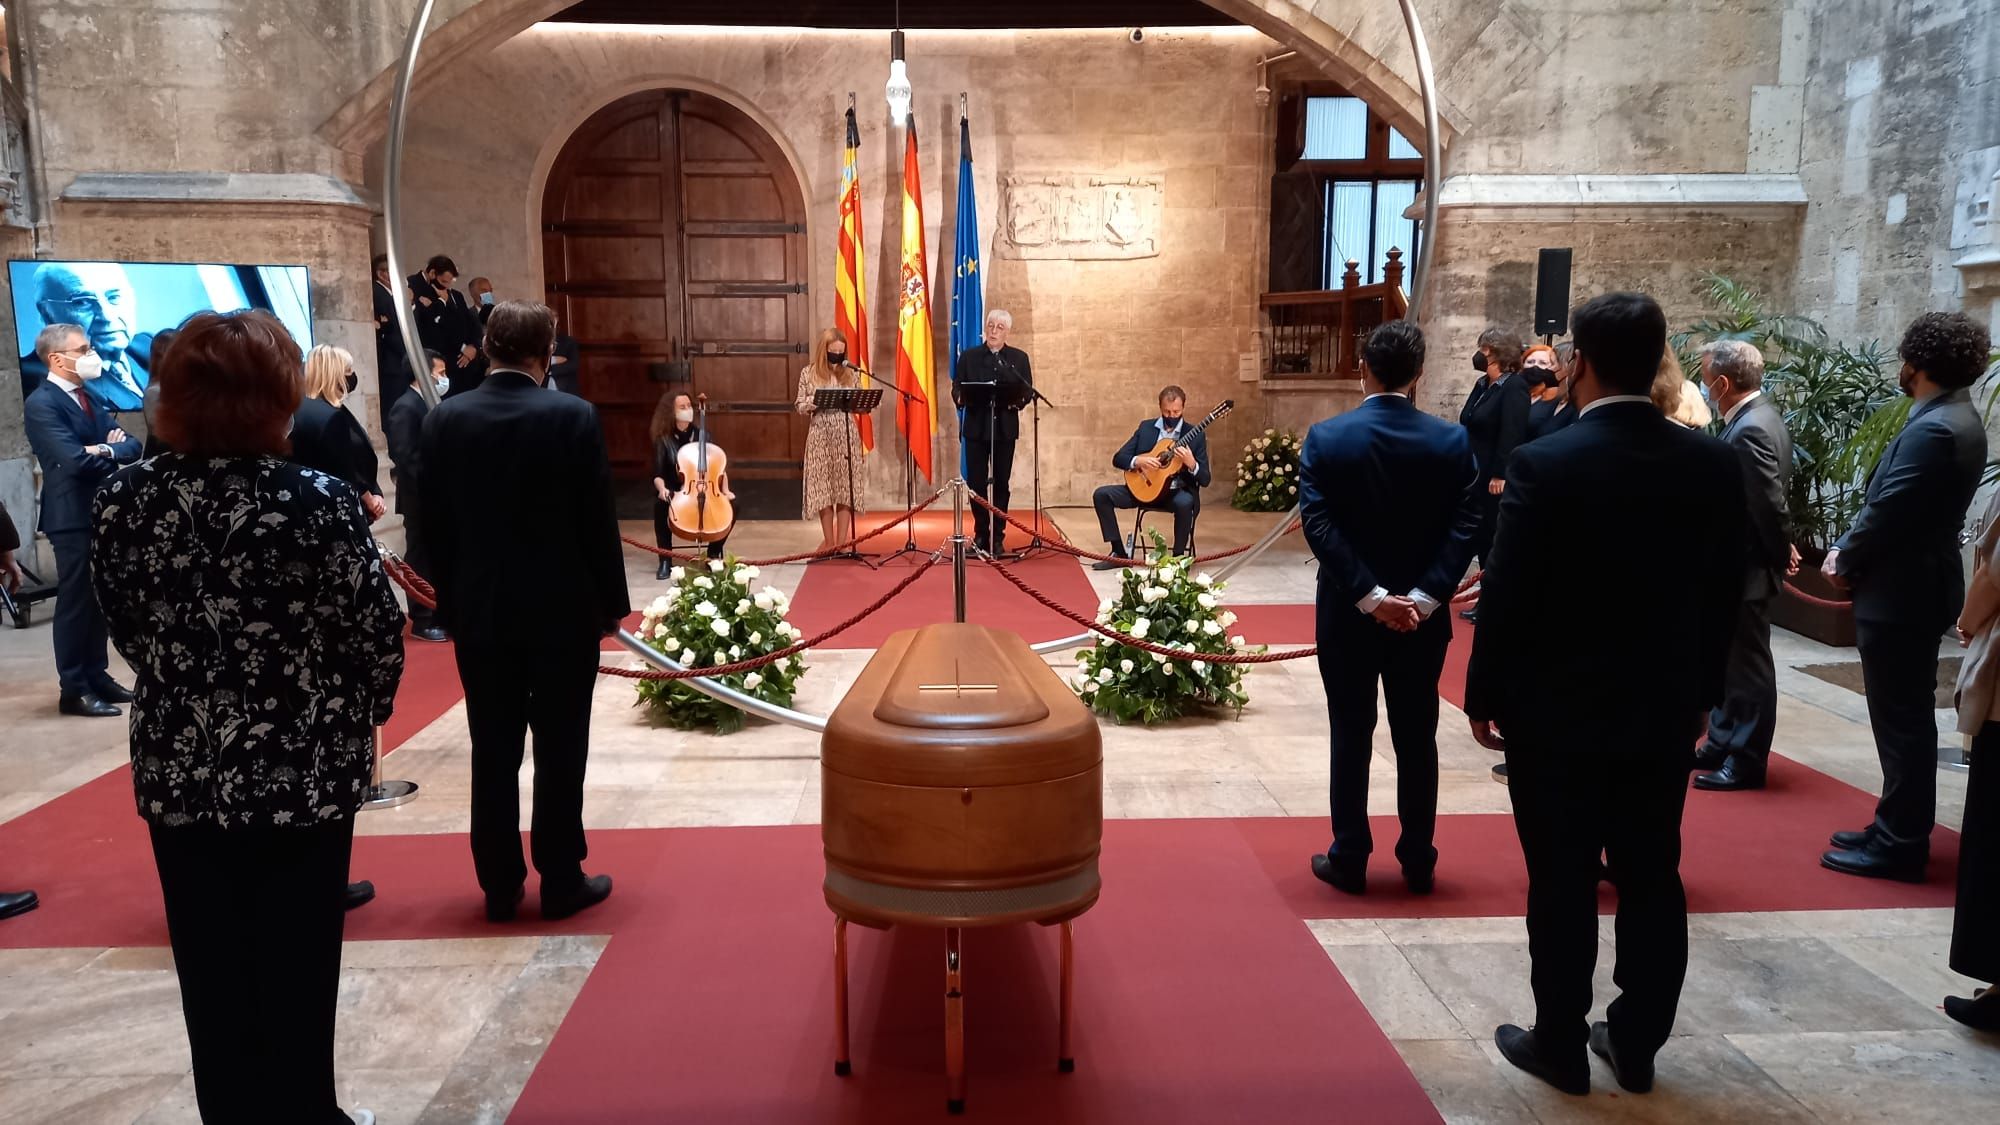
x=89 y=366
x=684 y=415
x=444 y=386
x=486 y=298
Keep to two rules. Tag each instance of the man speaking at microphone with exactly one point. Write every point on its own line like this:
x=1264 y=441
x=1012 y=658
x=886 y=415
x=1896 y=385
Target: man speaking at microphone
x=991 y=382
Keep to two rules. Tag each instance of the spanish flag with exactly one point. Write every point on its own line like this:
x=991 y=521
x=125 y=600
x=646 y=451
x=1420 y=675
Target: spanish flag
x=850 y=286
x=915 y=368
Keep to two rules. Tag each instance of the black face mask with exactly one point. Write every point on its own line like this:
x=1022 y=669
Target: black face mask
x=1479 y=362
x=353 y=381
x=835 y=359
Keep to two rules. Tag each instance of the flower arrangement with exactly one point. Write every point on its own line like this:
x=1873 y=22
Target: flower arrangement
x=1267 y=476
x=1165 y=605
x=710 y=618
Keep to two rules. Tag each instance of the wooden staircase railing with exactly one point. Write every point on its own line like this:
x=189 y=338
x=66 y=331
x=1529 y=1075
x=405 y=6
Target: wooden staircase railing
x=1317 y=334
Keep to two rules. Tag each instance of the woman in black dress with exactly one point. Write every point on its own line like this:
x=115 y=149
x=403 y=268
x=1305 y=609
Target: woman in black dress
x=673 y=429
x=1975 y=927
x=247 y=594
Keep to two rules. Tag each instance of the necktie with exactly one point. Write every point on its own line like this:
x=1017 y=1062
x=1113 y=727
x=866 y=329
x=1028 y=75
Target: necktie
x=83 y=400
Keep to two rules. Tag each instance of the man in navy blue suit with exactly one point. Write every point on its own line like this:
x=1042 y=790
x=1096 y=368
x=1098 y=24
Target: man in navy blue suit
x=80 y=446
x=1390 y=497
x=1182 y=495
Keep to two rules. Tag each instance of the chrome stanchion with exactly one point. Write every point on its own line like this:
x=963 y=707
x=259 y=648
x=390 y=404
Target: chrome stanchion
x=386 y=794
x=958 y=547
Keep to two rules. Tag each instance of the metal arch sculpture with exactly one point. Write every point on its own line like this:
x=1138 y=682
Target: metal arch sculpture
x=413 y=349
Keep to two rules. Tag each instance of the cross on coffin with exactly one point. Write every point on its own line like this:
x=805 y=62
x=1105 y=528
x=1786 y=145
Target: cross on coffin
x=957 y=686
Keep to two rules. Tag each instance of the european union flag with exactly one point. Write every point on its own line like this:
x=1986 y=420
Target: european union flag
x=968 y=305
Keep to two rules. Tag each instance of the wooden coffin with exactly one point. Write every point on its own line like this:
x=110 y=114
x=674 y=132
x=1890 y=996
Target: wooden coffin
x=962 y=784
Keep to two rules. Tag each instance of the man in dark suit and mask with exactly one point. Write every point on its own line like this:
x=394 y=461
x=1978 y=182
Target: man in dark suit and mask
x=1902 y=560
x=1741 y=729
x=1495 y=416
x=540 y=518
x=1599 y=768
x=446 y=324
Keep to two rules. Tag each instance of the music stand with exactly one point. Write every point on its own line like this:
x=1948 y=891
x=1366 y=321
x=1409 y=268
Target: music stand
x=1035 y=540
x=848 y=400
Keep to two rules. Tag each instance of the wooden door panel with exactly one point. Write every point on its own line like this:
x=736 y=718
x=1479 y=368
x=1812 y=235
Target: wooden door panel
x=619 y=318
x=674 y=228
x=617 y=257
x=731 y=198
x=612 y=199
x=726 y=258
x=750 y=319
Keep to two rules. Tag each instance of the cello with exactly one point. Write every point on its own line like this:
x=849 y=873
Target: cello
x=700 y=510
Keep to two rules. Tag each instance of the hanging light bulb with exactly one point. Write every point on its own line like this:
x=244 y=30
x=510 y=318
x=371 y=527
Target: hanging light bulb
x=898 y=90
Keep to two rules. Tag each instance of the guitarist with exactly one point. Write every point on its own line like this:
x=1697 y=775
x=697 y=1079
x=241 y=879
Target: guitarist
x=1182 y=496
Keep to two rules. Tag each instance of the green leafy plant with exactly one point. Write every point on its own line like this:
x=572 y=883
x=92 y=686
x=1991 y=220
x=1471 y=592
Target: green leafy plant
x=1165 y=605
x=710 y=618
x=1840 y=404
x=1267 y=475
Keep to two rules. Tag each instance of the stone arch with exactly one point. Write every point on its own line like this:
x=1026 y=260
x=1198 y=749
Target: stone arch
x=480 y=25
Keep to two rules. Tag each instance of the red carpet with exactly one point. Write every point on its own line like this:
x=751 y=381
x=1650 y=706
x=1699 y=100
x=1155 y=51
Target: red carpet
x=1199 y=999
x=831 y=592
x=934 y=526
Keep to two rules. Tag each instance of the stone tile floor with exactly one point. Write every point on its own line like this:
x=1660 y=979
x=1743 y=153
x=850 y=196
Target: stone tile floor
x=1816 y=1016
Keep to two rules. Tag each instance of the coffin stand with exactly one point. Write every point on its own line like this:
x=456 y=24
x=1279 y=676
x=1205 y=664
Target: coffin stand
x=962 y=785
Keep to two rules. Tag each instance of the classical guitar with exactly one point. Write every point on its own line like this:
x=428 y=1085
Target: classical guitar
x=1147 y=484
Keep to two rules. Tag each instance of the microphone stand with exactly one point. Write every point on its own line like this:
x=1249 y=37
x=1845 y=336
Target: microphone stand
x=1035 y=541
x=909 y=546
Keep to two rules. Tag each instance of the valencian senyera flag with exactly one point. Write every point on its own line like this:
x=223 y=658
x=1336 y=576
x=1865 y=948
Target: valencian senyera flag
x=968 y=305
x=915 y=364
x=850 y=286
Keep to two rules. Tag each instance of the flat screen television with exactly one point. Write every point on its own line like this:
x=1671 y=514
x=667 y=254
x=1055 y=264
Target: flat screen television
x=123 y=305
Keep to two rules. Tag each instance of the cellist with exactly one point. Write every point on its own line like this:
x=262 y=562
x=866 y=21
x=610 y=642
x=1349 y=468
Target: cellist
x=673 y=429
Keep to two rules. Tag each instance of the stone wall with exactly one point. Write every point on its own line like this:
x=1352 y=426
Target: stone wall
x=1898 y=142
x=1103 y=335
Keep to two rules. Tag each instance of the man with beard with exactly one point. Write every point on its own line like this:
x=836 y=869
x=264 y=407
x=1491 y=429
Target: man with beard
x=96 y=296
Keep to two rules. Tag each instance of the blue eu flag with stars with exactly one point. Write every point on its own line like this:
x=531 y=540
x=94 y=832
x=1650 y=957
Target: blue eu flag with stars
x=968 y=307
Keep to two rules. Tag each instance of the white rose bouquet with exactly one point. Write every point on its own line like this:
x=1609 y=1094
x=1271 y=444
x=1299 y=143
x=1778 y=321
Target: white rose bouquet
x=711 y=618
x=1267 y=476
x=1172 y=606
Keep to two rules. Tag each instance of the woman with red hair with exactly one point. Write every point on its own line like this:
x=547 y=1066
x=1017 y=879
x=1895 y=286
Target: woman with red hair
x=249 y=597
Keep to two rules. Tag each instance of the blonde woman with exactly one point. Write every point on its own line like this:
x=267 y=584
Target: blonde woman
x=833 y=442
x=327 y=436
x=1677 y=397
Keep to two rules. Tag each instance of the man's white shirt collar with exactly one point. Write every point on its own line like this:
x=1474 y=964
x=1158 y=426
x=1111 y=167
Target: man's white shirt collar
x=1729 y=415
x=1608 y=400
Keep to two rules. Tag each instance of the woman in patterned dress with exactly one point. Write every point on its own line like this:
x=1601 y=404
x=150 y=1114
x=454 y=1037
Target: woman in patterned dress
x=248 y=595
x=830 y=437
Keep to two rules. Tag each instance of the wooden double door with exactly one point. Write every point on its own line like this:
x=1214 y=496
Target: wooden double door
x=673 y=239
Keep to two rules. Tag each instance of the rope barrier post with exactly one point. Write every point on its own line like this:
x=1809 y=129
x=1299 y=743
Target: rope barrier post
x=958 y=547
x=386 y=794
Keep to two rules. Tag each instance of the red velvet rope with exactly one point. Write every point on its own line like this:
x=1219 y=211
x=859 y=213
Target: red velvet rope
x=412 y=583
x=772 y=657
x=1121 y=560
x=828 y=552
x=1824 y=603
x=1148 y=646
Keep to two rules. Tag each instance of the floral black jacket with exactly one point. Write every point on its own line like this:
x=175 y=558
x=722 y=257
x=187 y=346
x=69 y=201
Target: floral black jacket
x=250 y=598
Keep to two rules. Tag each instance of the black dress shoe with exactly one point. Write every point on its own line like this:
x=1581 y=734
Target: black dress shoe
x=1873 y=863
x=503 y=908
x=1348 y=877
x=431 y=633
x=595 y=889
x=111 y=691
x=1850 y=841
x=1121 y=564
x=358 y=895
x=1634 y=1076
x=1421 y=881
x=1471 y=615
x=88 y=705
x=1518 y=1046
x=1500 y=773
x=1708 y=759
x=666 y=564
x=20 y=902
x=1981 y=1013
x=1732 y=777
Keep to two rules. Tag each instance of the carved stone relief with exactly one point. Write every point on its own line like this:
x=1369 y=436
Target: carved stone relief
x=1080 y=216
